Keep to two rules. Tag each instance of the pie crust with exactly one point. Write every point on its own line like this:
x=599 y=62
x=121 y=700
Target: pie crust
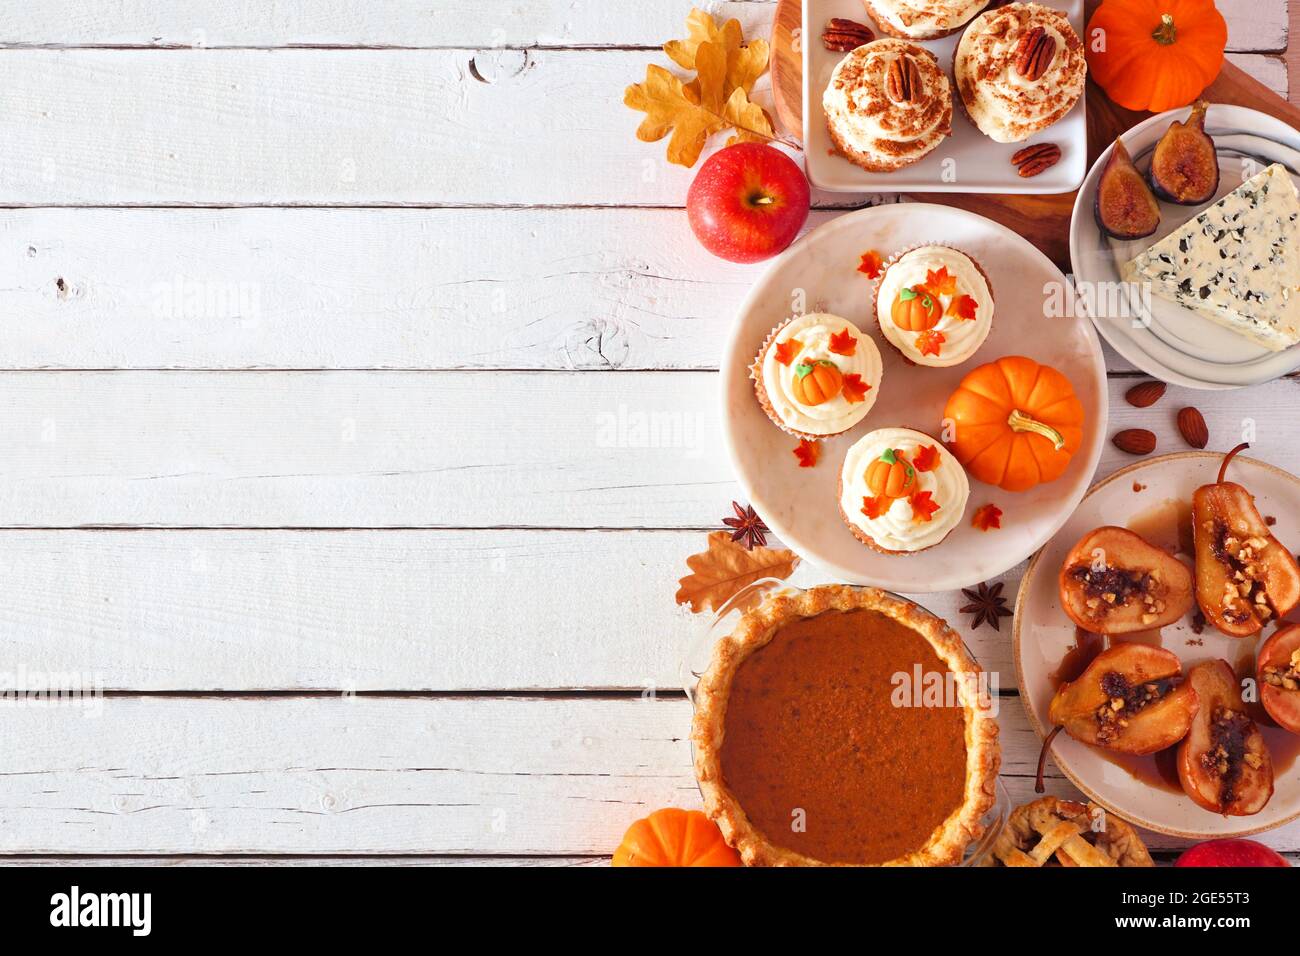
x=755 y=629
x=1052 y=831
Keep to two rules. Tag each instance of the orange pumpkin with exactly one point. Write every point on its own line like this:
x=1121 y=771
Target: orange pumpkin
x=816 y=382
x=891 y=476
x=1155 y=54
x=915 y=309
x=674 y=837
x=1015 y=423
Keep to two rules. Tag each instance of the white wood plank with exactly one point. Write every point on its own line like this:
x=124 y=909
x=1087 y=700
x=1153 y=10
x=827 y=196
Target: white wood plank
x=367 y=775
x=399 y=23
x=435 y=449
x=342 y=127
x=1269 y=70
x=363 y=288
x=366 y=611
x=1252 y=24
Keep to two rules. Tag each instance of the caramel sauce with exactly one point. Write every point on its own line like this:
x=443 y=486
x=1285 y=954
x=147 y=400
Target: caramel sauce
x=1167 y=525
x=813 y=738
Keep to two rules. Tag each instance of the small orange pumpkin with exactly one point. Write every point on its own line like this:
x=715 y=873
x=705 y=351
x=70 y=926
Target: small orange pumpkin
x=915 y=309
x=1015 y=423
x=674 y=837
x=816 y=382
x=891 y=476
x=1155 y=54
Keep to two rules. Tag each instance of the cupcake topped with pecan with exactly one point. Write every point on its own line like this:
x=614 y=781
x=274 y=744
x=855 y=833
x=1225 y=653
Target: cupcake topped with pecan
x=922 y=19
x=1019 y=69
x=888 y=104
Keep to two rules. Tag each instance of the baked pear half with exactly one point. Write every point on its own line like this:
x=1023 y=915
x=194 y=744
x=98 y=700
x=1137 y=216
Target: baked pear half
x=1223 y=763
x=1114 y=581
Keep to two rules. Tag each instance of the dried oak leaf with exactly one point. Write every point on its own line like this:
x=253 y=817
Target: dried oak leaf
x=669 y=104
x=720 y=572
x=745 y=62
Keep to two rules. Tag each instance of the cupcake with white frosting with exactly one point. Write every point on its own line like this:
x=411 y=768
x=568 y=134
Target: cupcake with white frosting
x=817 y=375
x=922 y=19
x=901 y=491
x=935 y=305
x=888 y=104
x=1019 y=69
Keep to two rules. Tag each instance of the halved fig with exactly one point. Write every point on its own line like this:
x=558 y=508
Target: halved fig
x=1244 y=577
x=1185 y=167
x=1125 y=206
x=1223 y=764
x=1130 y=699
x=1277 y=668
x=1114 y=581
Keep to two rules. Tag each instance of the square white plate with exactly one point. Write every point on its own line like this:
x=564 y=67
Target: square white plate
x=967 y=161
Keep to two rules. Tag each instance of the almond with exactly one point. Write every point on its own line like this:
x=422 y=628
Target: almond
x=1145 y=394
x=1135 y=441
x=1191 y=423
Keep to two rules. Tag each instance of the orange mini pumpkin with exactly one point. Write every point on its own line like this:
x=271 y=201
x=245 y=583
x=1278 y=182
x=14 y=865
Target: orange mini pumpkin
x=816 y=382
x=891 y=476
x=915 y=309
x=1155 y=54
x=674 y=837
x=1015 y=423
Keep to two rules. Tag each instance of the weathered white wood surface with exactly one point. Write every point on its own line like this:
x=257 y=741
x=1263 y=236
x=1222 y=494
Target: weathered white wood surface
x=433 y=449
x=368 y=775
x=467 y=318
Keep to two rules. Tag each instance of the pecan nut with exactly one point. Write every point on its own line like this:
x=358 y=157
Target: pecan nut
x=1032 y=160
x=1034 y=53
x=842 y=35
x=903 y=80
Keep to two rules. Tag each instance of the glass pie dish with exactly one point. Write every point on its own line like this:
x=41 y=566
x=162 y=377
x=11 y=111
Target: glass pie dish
x=699 y=653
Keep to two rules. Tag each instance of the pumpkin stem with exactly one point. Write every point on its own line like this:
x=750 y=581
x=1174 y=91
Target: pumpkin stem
x=1020 y=422
x=1165 y=34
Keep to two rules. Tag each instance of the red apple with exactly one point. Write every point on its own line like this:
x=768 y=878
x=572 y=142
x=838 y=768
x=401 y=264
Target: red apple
x=748 y=202
x=1231 y=853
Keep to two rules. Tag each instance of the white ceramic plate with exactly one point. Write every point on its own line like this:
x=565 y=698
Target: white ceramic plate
x=1170 y=342
x=1042 y=634
x=820 y=272
x=967 y=161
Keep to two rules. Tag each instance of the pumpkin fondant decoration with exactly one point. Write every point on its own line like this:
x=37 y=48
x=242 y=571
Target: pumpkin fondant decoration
x=1015 y=423
x=891 y=476
x=674 y=837
x=915 y=310
x=816 y=382
x=1155 y=54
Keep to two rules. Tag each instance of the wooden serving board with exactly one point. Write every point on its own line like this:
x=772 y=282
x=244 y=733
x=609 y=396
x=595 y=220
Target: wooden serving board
x=1043 y=220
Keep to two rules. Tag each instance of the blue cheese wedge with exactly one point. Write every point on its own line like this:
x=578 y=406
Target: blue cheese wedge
x=1237 y=263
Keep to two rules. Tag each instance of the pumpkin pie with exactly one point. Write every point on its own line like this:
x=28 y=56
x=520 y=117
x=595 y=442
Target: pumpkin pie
x=844 y=726
x=1056 y=832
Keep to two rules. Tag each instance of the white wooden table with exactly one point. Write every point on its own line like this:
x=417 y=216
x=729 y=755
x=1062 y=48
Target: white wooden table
x=358 y=410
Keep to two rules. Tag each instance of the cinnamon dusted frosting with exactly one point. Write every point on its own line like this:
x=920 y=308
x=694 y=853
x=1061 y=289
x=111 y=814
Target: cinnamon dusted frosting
x=1000 y=99
x=882 y=121
x=898 y=526
x=923 y=19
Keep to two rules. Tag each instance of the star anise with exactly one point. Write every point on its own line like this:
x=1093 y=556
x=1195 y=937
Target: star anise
x=747 y=527
x=987 y=604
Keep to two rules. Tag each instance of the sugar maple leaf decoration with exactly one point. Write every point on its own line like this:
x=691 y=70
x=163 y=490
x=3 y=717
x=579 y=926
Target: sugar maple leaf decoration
x=726 y=68
x=720 y=572
x=806 y=451
x=843 y=343
x=926 y=459
x=987 y=517
x=963 y=306
x=870 y=264
x=787 y=350
x=940 y=283
x=929 y=342
x=923 y=506
x=853 y=388
x=874 y=507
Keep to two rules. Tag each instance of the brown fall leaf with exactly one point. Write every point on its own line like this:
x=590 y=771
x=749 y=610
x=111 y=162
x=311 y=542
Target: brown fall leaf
x=726 y=69
x=719 y=573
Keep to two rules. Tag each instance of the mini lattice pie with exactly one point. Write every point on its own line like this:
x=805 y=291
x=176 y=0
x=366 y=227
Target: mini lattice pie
x=1055 y=832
